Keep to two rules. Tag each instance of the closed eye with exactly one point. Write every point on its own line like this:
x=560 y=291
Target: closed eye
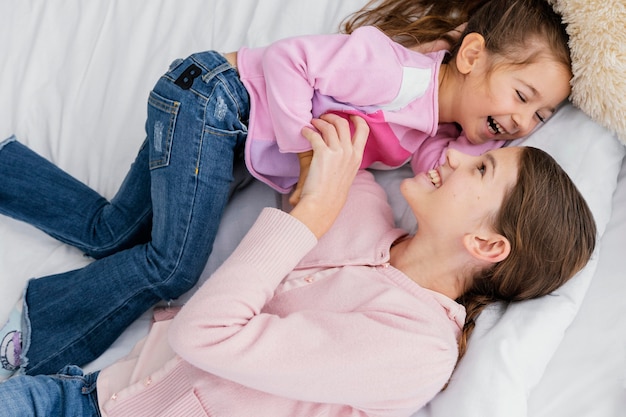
x=541 y=118
x=523 y=99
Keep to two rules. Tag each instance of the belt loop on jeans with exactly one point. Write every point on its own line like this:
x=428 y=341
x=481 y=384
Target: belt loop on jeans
x=216 y=71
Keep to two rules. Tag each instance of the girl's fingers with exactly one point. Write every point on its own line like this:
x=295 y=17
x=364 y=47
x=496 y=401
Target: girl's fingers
x=361 y=132
x=338 y=126
x=327 y=130
x=312 y=136
x=333 y=132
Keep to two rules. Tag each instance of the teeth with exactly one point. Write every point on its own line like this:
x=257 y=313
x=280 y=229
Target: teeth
x=494 y=126
x=434 y=178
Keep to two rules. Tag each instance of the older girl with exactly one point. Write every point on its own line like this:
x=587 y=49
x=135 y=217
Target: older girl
x=330 y=310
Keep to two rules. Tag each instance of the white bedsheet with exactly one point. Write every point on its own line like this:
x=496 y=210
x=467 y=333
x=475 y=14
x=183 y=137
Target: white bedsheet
x=75 y=77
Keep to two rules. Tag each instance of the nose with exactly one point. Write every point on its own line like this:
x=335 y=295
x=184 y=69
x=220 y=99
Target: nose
x=453 y=158
x=524 y=123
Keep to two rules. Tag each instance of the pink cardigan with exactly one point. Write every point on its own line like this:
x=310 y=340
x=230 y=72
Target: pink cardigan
x=293 y=327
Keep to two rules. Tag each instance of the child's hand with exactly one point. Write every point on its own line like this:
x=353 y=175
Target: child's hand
x=305 y=163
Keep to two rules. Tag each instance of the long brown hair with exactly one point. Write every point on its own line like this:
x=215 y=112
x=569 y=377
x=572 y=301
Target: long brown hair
x=550 y=227
x=510 y=27
x=552 y=234
x=414 y=22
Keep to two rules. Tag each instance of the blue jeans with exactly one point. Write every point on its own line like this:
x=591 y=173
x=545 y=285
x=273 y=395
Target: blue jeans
x=69 y=393
x=152 y=240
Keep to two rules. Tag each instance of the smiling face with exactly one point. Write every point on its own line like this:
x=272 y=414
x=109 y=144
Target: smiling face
x=462 y=195
x=494 y=99
x=510 y=102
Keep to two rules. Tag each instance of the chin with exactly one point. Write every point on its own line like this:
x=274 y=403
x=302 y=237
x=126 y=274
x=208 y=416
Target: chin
x=476 y=140
x=407 y=186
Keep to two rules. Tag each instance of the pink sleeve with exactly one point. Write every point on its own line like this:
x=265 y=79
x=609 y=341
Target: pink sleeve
x=302 y=355
x=432 y=153
x=359 y=69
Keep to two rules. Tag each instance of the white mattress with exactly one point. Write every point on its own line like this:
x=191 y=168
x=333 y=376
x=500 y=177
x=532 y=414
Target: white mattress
x=75 y=77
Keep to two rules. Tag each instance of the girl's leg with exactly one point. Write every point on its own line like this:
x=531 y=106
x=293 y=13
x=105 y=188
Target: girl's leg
x=197 y=117
x=37 y=192
x=69 y=393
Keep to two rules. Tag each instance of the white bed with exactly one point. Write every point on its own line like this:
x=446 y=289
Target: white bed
x=75 y=77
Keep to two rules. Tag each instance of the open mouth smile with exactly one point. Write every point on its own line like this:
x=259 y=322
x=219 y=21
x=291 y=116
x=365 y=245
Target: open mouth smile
x=494 y=126
x=435 y=178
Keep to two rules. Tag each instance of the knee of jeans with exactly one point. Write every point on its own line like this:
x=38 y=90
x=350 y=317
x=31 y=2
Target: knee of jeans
x=100 y=250
x=105 y=244
x=174 y=278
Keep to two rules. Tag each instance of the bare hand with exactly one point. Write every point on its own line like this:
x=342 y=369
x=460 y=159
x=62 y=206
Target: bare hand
x=336 y=160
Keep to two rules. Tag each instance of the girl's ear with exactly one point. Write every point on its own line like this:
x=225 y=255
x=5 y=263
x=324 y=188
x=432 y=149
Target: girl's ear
x=490 y=247
x=470 y=52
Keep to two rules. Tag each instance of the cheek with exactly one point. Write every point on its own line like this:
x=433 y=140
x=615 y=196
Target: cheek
x=473 y=201
x=485 y=206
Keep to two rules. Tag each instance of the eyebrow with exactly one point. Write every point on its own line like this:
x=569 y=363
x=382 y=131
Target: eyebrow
x=537 y=94
x=533 y=89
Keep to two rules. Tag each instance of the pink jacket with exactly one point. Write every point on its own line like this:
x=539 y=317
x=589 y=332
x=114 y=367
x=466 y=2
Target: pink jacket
x=394 y=88
x=291 y=327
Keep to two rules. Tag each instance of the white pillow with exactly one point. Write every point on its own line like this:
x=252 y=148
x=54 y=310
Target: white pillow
x=511 y=345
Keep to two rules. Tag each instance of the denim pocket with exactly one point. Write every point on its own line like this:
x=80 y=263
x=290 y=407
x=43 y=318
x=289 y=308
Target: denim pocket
x=160 y=126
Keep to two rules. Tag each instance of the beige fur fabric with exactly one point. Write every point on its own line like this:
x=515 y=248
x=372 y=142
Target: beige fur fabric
x=597 y=30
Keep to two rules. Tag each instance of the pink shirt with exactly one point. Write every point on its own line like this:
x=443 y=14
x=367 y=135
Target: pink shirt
x=293 y=327
x=394 y=88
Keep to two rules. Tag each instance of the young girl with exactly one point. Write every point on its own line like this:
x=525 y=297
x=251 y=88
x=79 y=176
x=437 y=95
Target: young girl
x=341 y=314
x=508 y=71
x=151 y=242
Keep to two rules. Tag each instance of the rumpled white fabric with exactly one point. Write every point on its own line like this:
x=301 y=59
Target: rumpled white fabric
x=75 y=78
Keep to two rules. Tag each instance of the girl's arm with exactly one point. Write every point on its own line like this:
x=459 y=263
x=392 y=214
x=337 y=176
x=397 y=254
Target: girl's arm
x=225 y=330
x=303 y=355
x=361 y=69
x=246 y=281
